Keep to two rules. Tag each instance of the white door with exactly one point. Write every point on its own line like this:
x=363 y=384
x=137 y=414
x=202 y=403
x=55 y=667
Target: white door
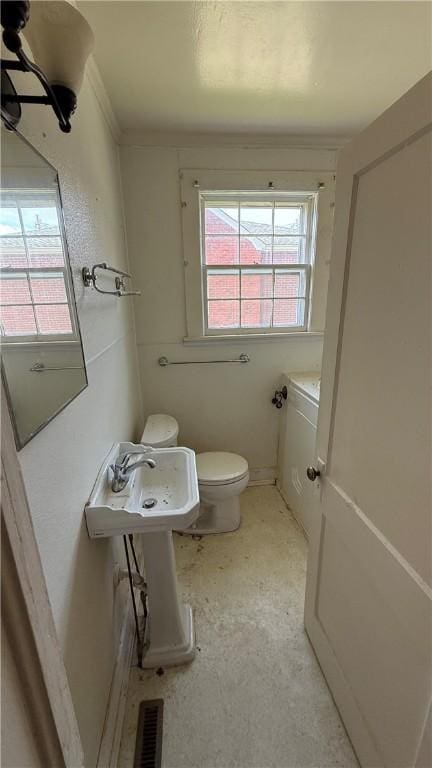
x=368 y=599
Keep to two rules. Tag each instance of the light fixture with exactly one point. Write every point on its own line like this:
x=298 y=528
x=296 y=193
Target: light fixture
x=60 y=40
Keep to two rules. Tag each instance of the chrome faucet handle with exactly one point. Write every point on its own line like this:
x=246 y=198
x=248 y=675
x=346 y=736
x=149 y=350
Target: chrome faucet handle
x=119 y=468
x=120 y=464
x=122 y=470
x=123 y=458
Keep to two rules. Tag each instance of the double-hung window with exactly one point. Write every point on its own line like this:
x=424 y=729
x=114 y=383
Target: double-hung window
x=256 y=251
x=34 y=278
x=256 y=259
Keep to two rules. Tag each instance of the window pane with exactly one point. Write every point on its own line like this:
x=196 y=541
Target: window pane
x=221 y=250
x=256 y=285
x=40 y=221
x=256 y=314
x=12 y=252
x=223 y=285
x=50 y=289
x=53 y=318
x=14 y=290
x=256 y=250
x=223 y=314
x=288 y=250
x=256 y=218
x=221 y=220
x=45 y=251
x=288 y=284
x=9 y=221
x=18 y=321
x=288 y=220
x=288 y=312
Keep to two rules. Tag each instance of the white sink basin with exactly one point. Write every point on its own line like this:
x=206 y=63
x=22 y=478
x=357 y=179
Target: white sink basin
x=171 y=487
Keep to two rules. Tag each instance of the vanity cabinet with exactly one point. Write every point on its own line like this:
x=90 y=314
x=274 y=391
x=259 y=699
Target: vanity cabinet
x=297 y=446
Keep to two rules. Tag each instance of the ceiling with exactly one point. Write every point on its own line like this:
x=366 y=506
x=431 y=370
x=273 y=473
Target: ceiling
x=325 y=68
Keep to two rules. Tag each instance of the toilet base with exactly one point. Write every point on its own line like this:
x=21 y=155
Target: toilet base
x=222 y=517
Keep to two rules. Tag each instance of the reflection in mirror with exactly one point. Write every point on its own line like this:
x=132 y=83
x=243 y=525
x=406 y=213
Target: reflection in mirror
x=42 y=357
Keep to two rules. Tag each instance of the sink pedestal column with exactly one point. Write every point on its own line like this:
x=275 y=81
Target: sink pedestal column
x=170 y=629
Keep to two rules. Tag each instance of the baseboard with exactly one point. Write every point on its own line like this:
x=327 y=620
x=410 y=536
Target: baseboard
x=278 y=486
x=266 y=476
x=111 y=735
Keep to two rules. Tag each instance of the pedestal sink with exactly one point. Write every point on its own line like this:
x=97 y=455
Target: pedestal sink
x=154 y=502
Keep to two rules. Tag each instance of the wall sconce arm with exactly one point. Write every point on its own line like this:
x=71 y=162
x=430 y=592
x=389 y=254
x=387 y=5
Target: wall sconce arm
x=49 y=34
x=61 y=99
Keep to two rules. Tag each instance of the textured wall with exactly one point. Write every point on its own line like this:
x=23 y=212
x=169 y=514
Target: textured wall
x=61 y=463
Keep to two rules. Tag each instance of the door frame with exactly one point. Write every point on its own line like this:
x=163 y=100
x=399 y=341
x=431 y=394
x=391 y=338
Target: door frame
x=403 y=123
x=28 y=619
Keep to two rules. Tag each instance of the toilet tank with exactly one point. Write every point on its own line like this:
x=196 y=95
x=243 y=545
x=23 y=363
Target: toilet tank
x=160 y=431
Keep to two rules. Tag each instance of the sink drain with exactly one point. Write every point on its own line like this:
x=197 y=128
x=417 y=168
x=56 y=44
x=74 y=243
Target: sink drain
x=149 y=503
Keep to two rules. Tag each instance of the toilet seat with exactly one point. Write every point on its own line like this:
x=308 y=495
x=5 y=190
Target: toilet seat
x=220 y=468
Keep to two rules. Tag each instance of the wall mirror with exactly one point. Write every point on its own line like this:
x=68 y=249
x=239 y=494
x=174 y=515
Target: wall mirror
x=43 y=366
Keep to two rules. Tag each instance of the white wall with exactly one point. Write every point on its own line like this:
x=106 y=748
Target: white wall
x=224 y=407
x=61 y=463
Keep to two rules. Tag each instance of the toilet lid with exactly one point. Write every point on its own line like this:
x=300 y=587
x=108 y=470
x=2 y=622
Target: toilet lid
x=218 y=467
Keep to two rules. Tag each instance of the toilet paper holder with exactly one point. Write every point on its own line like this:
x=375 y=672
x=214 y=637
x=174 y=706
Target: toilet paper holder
x=279 y=396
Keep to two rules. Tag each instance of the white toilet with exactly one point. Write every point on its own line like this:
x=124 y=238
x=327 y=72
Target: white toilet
x=221 y=478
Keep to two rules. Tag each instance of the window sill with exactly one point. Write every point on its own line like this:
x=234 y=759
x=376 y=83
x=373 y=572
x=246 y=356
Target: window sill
x=19 y=345
x=245 y=338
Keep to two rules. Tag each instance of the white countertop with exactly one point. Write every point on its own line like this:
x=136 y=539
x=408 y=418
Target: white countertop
x=308 y=382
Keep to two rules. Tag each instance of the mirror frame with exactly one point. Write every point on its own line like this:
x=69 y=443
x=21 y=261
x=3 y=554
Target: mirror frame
x=18 y=441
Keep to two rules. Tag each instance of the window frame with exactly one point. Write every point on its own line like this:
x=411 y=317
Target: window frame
x=27 y=271
x=262 y=182
x=308 y=201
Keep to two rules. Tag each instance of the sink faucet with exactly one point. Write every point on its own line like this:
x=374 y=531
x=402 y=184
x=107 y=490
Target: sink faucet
x=122 y=469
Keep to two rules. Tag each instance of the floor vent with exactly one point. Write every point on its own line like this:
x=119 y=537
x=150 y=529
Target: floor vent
x=148 y=748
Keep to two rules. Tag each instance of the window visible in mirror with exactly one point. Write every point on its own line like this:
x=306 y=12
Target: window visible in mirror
x=42 y=367
x=34 y=278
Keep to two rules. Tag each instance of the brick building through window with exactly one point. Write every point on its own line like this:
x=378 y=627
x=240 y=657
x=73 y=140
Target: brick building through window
x=33 y=276
x=255 y=258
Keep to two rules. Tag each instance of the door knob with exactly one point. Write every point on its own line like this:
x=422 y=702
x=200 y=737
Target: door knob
x=313 y=473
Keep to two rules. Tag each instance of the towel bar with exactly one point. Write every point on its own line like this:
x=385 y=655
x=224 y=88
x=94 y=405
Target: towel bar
x=41 y=368
x=163 y=361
